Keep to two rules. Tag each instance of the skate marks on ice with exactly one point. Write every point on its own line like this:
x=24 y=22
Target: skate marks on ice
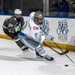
x=12 y=54
x=55 y=68
x=31 y=56
x=10 y=49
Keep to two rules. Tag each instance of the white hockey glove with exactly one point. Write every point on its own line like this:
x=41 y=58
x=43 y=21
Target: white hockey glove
x=42 y=38
x=49 y=38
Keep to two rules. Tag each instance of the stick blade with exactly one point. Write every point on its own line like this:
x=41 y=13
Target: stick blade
x=64 y=52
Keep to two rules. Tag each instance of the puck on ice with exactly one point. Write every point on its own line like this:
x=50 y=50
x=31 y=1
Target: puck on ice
x=66 y=65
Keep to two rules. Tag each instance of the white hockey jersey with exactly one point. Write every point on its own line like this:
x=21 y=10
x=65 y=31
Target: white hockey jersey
x=33 y=30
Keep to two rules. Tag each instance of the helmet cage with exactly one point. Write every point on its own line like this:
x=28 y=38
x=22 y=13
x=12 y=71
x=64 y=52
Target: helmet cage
x=38 y=21
x=38 y=17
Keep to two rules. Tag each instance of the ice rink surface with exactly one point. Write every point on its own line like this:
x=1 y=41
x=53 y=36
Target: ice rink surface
x=13 y=61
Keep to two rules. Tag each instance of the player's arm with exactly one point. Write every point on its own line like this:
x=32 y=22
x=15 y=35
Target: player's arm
x=5 y=24
x=46 y=30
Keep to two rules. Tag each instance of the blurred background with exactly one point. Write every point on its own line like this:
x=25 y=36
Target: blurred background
x=58 y=8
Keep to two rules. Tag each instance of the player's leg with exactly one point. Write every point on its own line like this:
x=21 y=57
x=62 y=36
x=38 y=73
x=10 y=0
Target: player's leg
x=33 y=44
x=21 y=45
x=41 y=52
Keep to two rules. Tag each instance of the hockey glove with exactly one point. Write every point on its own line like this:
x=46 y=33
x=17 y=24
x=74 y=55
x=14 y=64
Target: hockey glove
x=49 y=38
x=42 y=38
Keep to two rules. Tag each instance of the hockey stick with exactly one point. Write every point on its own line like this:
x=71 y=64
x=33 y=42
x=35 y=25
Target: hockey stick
x=55 y=50
x=60 y=53
x=56 y=44
x=65 y=53
x=61 y=49
x=69 y=58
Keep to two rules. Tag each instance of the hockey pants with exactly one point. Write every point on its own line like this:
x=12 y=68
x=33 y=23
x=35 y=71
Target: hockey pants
x=33 y=44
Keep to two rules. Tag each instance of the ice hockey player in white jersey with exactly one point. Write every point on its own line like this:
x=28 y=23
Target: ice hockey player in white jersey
x=35 y=32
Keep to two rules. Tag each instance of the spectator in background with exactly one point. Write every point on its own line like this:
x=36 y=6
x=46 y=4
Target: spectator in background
x=73 y=7
x=53 y=8
x=1 y=9
x=72 y=2
x=74 y=10
x=63 y=8
x=54 y=5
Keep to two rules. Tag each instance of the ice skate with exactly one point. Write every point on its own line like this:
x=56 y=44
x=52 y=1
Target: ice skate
x=48 y=57
x=25 y=49
x=38 y=55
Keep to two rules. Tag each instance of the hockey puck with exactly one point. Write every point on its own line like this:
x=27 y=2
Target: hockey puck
x=66 y=65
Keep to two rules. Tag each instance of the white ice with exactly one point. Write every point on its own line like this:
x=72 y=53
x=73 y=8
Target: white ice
x=12 y=62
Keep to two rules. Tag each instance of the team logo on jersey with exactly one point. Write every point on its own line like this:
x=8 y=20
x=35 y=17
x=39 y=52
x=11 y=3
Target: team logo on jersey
x=35 y=28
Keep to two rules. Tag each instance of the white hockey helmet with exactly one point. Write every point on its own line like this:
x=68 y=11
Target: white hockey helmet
x=17 y=11
x=38 y=17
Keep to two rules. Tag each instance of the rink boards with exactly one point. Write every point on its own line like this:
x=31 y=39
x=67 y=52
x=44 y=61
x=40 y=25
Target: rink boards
x=62 y=29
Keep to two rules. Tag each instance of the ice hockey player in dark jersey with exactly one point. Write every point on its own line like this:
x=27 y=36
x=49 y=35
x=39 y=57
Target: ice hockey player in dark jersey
x=9 y=25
